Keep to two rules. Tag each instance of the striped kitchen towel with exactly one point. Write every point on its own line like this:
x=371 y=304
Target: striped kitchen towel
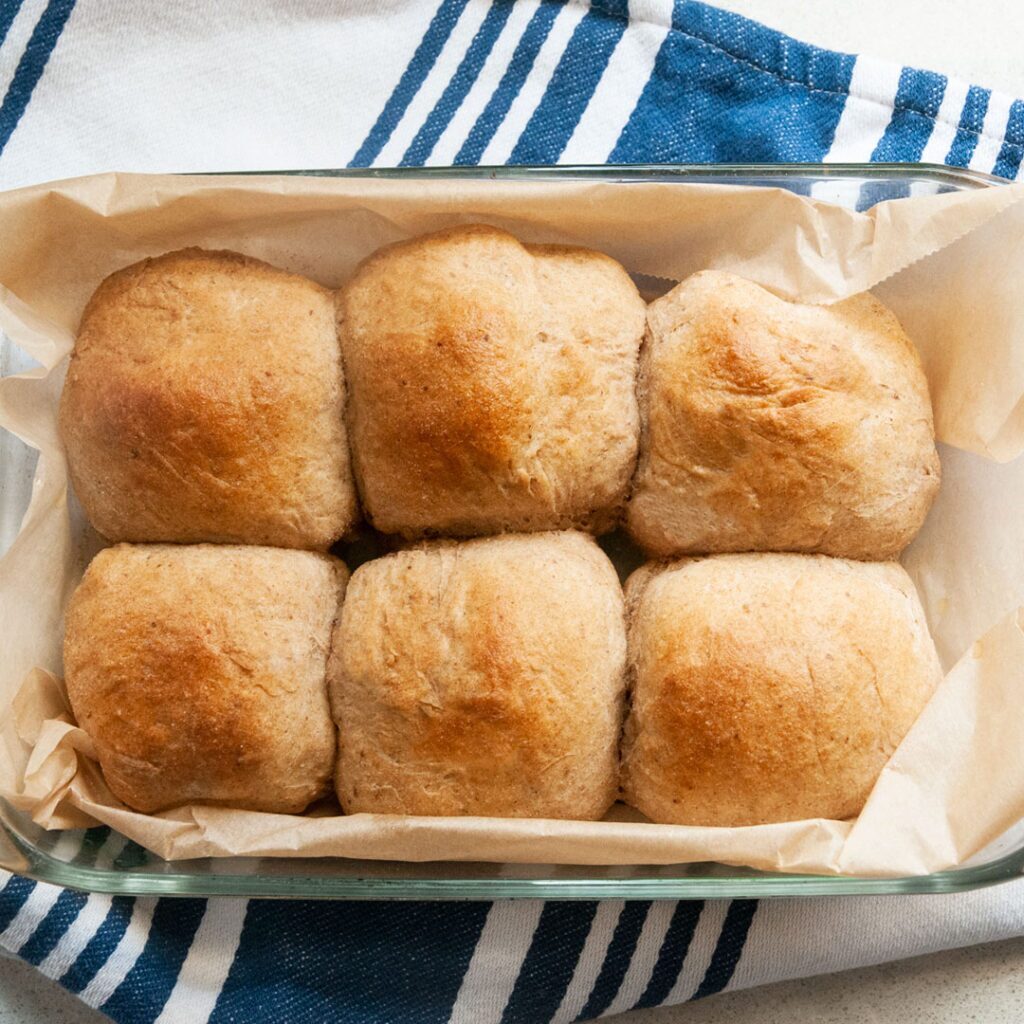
x=235 y=961
x=148 y=86
x=98 y=85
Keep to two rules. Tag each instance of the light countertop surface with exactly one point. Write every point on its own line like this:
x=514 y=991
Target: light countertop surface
x=980 y=43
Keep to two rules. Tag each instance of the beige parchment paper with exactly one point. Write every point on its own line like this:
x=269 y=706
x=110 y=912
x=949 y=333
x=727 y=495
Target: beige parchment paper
x=952 y=267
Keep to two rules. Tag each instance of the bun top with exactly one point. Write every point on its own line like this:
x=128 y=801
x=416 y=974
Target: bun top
x=770 y=425
x=769 y=687
x=481 y=677
x=204 y=403
x=199 y=672
x=492 y=384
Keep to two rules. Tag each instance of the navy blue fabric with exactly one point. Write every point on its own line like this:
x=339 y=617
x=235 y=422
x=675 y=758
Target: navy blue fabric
x=758 y=96
x=357 y=962
x=132 y=856
x=620 y=952
x=145 y=989
x=57 y=921
x=8 y=12
x=100 y=946
x=12 y=897
x=93 y=840
x=672 y=953
x=32 y=64
x=548 y=967
x=729 y=947
x=68 y=906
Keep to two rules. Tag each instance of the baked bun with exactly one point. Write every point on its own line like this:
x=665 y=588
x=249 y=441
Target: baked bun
x=199 y=672
x=492 y=384
x=204 y=403
x=774 y=426
x=769 y=687
x=481 y=677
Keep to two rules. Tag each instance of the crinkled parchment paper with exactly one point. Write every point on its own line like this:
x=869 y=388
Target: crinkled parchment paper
x=951 y=267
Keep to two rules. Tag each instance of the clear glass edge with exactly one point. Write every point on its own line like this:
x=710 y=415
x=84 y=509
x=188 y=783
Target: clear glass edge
x=936 y=173
x=21 y=857
x=24 y=859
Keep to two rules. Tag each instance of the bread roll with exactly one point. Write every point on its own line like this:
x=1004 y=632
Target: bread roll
x=773 y=426
x=200 y=673
x=769 y=687
x=492 y=384
x=482 y=677
x=204 y=403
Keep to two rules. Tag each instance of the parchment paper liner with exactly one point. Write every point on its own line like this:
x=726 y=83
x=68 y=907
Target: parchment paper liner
x=949 y=266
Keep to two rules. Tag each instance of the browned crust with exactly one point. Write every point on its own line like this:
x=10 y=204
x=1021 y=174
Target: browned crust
x=204 y=402
x=770 y=425
x=769 y=687
x=481 y=677
x=199 y=673
x=492 y=384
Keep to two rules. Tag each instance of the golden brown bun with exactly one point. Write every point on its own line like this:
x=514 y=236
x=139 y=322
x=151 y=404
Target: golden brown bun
x=481 y=677
x=769 y=687
x=199 y=673
x=492 y=384
x=769 y=425
x=204 y=403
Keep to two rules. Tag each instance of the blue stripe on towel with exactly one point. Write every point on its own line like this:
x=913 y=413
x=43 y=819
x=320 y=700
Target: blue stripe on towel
x=729 y=947
x=378 y=960
x=32 y=64
x=717 y=95
x=12 y=898
x=972 y=119
x=918 y=99
x=460 y=84
x=1008 y=162
x=100 y=946
x=8 y=12
x=616 y=962
x=672 y=953
x=142 y=994
x=519 y=67
x=571 y=86
x=408 y=85
x=550 y=962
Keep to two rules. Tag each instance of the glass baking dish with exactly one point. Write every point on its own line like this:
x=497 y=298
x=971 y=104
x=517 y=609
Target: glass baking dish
x=99 y=860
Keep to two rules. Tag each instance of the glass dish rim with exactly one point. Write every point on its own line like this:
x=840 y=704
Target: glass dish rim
x=938 y=173
x=19 y=855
